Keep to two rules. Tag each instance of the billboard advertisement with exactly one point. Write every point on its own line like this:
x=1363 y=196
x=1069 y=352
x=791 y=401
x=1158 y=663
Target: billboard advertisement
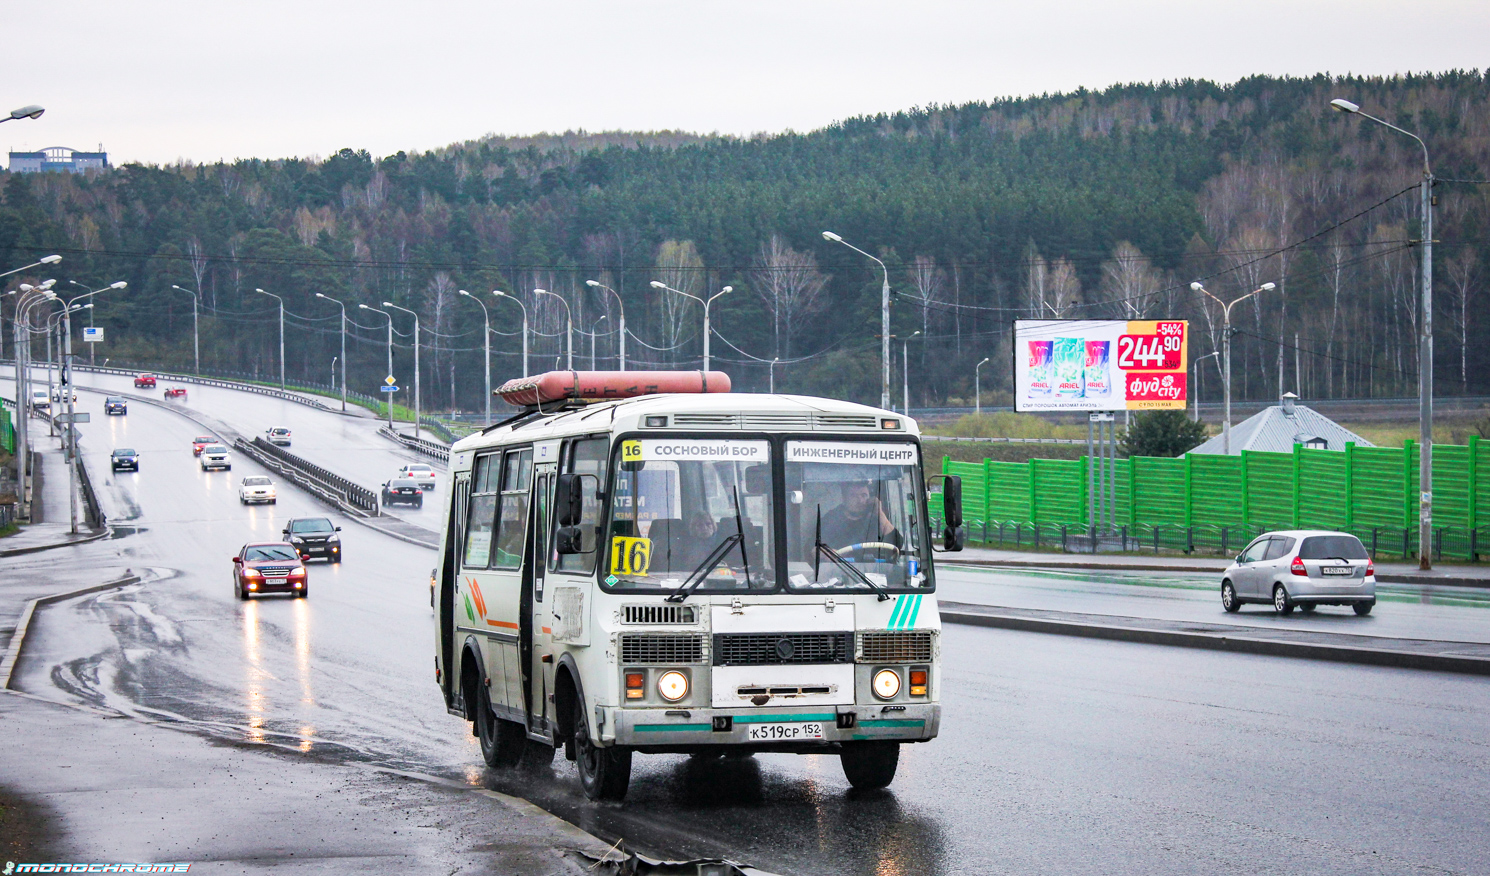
x=1100 y=364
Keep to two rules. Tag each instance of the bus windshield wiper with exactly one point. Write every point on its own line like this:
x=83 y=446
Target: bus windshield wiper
x=838 y=558
x=701 y=571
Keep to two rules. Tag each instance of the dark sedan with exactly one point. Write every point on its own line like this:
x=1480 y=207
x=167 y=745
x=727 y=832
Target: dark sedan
x=115 y=405
x=124 y=459
x=269 y=567
x=314 y=537
x=403 y=491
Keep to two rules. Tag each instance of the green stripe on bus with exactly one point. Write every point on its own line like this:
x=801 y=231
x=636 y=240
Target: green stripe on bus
x=900 y=605
x=773 y=719
x=671 y=728
x=892 y=722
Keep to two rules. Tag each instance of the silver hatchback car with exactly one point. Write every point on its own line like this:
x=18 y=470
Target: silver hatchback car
x=1304 y=568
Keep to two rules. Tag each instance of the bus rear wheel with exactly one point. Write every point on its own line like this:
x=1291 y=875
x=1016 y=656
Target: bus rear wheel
x=604 y=773
x=502 y=741
x=870 y=765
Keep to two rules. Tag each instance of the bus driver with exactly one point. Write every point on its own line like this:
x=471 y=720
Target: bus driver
x=858 y=519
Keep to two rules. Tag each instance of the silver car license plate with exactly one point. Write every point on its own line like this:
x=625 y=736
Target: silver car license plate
x=1337 y=571
x=786 y=732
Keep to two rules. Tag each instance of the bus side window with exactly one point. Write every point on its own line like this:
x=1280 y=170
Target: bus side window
x=587 y=456
x=481 y=513
x=512 y=514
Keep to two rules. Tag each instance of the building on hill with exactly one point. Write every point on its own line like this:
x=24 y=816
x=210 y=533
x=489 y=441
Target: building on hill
x=1278 y=428
x=58 y=158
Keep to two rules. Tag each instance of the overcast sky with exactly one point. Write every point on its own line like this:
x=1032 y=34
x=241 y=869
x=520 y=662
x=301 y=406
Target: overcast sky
x=157 y=81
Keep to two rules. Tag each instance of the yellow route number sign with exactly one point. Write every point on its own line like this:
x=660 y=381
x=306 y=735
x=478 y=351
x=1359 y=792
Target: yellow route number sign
x=630 y=556
x=631 y=451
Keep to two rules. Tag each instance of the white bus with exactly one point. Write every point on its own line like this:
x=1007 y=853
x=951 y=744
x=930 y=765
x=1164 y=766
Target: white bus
x=692 y=573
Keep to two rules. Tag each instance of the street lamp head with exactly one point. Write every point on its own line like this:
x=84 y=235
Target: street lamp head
x=1268 y=287
x=985 y=359
x=364 y=307
x=119 y=285
x=319 y=295
x=1344 y=106
x=828 y=235
x=27 y=112
x=24 y=287
x=913 y=334
x=47 y=284
x=1196 y=287
x=592 y=283
x=387 y=303
x=658 y=284
x=499 y=293
x=726 y=290
x=50 y=259
x=541 y=292
x=463 y=292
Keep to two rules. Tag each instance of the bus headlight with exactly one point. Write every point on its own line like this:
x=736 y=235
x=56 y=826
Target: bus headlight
x=673 y=685
x=886 y=684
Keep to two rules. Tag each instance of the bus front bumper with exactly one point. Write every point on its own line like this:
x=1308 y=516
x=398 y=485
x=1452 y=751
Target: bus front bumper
x=774 y=728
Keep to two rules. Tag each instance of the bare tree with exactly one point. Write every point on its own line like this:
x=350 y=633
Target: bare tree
x=679 y=266
x=197 y=260
x=1064 y=288
x=927 y=285
x=790 y=284
x=439 y=296
x=1129 y=281
x=1464 y=275
x=1036 y=277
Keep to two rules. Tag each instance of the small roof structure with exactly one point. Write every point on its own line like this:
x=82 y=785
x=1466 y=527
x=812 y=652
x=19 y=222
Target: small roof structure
x=1280 y=427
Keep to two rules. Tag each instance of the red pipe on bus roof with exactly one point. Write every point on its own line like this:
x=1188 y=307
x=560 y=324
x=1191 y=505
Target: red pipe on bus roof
x=556 y=386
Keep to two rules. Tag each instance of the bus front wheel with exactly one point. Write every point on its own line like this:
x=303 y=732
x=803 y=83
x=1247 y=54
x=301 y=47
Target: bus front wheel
x=604 y=773
x=502 y=741
x=870 y=765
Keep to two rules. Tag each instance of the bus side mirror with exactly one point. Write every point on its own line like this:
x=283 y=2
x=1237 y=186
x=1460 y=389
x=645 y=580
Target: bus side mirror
x=568 y=540
x=954 y=533
x=569 y=498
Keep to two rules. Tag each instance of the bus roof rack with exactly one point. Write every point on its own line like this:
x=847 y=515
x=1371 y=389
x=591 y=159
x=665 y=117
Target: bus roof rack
x=570 y=388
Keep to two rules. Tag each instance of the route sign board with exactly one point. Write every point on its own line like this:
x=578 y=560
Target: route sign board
x=92 y=334
x=1100 y=364
x=387 y=389
x=79 y=417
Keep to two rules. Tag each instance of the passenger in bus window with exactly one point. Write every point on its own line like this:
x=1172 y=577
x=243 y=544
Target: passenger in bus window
x=858 y=519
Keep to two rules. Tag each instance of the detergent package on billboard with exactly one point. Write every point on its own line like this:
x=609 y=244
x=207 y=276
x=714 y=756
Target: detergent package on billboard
x=1070 y=366
x=1041 y=378
x=1098 y=375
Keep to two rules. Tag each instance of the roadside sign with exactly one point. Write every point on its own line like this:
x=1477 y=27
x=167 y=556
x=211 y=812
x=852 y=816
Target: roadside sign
x=80 y=417
x=92 y=334
x=1100 y=364
x=389 y=380
x=387 y=389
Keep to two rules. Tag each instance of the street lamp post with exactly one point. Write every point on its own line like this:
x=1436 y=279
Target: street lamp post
x=1425 y=347
x=23 y=380
x=1226 y=349
x=594 y=332
x=978 y=387
x=417 y=407
x=90 y=293
x=196 y=335
x=1194 y=389
x=568 y=327
x=905 y=370
x=44 y=260
x=657 y=284
x=389 y=317
x=500 y=294
x=343 y=355
x=281 y=334
x=485 y=348
x=772 y=369
x=884 y=318
x=622 y=305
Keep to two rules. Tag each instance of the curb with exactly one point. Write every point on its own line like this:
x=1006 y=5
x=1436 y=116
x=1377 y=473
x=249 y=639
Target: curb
x=1218 y=641
x=13 y=653
x=16 y=552
x=1156 y=567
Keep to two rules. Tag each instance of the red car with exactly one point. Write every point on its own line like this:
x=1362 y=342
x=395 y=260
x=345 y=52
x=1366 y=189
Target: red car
x=269 y=567
x=201 y=441
x=176 y=392
x=144 y=381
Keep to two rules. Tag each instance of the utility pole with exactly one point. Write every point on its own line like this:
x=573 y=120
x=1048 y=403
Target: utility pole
x=500 y=294
x=978 y=388
x=622 y=305
x=196 y=335
x=905 y=371
x=485 y=349
x=884 y=318
x=389 y=317
x=343 y=355
x=281 y=334
x=1226 y=349
x=417 y=407
x=657 y=284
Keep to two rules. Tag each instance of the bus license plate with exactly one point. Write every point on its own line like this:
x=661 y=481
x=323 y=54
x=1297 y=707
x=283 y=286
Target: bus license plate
x=786 y=732
x=1337 y=570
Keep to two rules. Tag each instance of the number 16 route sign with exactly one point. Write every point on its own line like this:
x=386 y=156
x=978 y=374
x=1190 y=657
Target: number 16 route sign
x=1100 y=364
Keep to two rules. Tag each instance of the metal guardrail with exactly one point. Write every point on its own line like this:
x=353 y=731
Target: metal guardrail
x=333 y=487
x=210 y=381
x=438 y=428
x=418 y=445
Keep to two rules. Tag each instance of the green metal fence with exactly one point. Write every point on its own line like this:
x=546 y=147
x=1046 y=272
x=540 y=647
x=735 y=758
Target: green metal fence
x=7 y=431
x=1217 y=503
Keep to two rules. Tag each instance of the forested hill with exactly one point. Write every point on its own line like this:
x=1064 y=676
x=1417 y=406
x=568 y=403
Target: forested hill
x=1084 y=204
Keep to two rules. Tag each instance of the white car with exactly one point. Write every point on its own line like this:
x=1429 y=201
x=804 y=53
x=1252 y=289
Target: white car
x=278 y=435
x=421 y=473
x=215 y=456
x=1302 y=568
x=40 y=400
x=256 y=488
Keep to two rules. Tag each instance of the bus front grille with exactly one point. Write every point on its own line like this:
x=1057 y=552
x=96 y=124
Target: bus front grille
x=764 y=649
x=659 y=614
x=909 y=646
x=640 y=648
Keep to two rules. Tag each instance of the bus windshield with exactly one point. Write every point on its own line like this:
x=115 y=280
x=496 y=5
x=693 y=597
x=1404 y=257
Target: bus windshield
x=852 y=513
x=692 y=511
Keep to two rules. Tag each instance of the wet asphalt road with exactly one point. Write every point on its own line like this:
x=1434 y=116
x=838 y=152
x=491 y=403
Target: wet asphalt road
x=1057 y=755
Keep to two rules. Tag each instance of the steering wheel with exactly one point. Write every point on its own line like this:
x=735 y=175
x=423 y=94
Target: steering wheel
x=868 y=550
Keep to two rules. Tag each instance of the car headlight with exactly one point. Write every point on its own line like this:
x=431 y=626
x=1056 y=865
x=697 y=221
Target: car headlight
x=295 y=539
x=886 y=684
x=673 y=685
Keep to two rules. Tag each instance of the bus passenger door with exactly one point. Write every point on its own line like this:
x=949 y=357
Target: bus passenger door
x=535 y=635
